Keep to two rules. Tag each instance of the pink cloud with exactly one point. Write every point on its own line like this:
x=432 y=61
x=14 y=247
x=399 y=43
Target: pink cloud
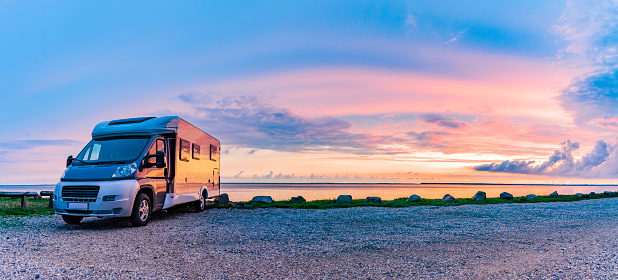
x=467 y=83
x=606 y=122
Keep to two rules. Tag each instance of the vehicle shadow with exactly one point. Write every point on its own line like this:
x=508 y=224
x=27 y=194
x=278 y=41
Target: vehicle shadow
x=112 y=223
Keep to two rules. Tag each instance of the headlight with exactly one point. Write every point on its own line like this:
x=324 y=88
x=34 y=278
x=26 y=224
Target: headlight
x=125 y=170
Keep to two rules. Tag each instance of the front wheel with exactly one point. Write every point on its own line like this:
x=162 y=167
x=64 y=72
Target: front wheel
x=200 y=204
x=72 y=220
x=141 y=210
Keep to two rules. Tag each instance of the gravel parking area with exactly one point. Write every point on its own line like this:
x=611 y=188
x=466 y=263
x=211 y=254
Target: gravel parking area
x=572 y=240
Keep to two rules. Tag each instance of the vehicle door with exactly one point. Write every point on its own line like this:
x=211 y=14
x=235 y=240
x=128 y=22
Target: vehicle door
x=156 y=174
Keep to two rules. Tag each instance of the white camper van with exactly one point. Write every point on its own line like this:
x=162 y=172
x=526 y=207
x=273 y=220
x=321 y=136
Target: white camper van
x=133 y=167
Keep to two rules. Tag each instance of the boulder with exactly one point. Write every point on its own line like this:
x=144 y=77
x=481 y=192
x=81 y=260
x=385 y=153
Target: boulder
x=554 y=194
x=608 y=193
x=448 y=197
x=479 y=196
x=263 y=199
x=414 y=198
x=579 y=195
x=506 y=196
x=531 y=197
x=593 y=193
x=373 y=199
x=222 y=199
x=298 y=199
x=344 y=198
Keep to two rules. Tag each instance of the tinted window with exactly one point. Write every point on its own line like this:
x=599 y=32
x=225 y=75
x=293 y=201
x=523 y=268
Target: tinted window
x=185 y=150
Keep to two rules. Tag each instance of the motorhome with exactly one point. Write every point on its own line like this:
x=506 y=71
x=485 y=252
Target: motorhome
x=135 y=166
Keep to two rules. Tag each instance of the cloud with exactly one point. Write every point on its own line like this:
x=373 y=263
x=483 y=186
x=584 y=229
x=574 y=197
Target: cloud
x=427 y=135
x=455 y=37
x=606 y=122
x=411 y=21
x=591 y=98
x=443 y=121
x=250 y=121
x=591 y=28
x=30 y=144
x=599 y=162
x=239 y=174
x=281 y=177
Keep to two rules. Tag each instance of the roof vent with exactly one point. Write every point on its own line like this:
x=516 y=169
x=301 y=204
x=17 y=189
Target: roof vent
x=131 y=120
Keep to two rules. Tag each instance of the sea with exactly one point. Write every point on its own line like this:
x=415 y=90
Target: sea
x=280 y=191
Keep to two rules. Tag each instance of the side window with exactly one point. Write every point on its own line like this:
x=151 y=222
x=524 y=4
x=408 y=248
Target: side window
x=160 y=145
x=196 y=151
x=185 y=150
x=214 y=152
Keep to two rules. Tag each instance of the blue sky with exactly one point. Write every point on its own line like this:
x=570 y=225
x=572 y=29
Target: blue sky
x=316 y=87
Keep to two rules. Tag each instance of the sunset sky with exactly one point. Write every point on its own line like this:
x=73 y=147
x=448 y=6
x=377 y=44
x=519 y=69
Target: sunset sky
x=323 y=91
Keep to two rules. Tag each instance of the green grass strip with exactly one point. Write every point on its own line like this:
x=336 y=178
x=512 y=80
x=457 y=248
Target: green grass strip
x=11 y=207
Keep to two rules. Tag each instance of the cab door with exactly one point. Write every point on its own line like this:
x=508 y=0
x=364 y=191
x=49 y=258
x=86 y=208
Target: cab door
x=158 y=175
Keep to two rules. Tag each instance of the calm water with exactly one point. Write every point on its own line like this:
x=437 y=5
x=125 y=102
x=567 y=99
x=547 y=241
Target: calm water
x=244 y=192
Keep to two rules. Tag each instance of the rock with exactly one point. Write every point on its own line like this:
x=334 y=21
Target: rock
x=222 y=199
x=531 y=197
x=373 y=199
x=479 y=196
x=554 y=194
x=263 y=199
x=344 y=198
x=506 y=196
x=592 y=193
x=608 y=193
x=414 y=198
x=448 y=197
x=579 y=195
x=298 y=199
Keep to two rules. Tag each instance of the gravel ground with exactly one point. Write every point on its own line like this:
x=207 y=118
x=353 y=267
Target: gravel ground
x=561 y=240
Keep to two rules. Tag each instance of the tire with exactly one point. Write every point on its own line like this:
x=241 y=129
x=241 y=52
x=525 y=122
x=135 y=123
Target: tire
x=142 y=210
x=200 y=204
x=72 y=220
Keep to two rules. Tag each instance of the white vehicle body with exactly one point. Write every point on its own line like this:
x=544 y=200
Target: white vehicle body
x=139 y=165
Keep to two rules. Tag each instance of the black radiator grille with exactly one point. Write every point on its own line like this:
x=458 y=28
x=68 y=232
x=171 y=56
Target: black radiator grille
x=80 y=191
x=79 y=199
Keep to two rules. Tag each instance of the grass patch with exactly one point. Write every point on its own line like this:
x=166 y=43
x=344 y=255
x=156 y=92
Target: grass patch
x=401 y=202
x=11 y=207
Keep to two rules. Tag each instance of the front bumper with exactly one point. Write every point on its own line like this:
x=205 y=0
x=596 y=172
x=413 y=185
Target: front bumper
x=70 y=203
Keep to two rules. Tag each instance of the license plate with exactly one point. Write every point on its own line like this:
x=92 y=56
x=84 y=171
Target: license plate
x=77 y=205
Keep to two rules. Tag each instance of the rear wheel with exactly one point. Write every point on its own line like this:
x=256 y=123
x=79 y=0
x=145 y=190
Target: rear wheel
x=72 y=220
x=141 y=210
x=200 y=204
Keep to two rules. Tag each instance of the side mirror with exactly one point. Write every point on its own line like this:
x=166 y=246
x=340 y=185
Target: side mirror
x=157 y=160
x=70 y=160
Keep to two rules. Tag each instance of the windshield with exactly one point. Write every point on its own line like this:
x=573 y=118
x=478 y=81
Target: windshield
x=118 y=150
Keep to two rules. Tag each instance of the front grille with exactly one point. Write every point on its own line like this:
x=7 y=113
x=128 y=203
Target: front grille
x=79 y=199
x=80 y=191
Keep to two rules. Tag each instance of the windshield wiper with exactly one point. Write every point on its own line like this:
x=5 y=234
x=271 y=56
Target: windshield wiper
x=109 y=162
x=82 y=161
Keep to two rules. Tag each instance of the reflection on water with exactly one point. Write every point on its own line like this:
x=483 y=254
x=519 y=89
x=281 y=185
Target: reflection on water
x=244 y=192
